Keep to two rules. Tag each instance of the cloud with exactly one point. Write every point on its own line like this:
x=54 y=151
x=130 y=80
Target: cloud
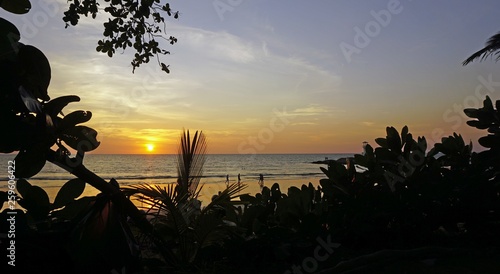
x=216 y=45
x=368 y=124
x=311 y=110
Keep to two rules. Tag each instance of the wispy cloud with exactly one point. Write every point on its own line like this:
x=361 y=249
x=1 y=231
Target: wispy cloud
x=312 y=110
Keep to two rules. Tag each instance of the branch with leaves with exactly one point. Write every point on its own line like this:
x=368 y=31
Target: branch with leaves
x=131 y=23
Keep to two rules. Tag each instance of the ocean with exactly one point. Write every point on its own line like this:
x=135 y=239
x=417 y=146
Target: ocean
x=290 y=169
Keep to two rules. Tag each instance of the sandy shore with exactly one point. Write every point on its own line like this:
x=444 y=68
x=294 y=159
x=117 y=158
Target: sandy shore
x=210 y=188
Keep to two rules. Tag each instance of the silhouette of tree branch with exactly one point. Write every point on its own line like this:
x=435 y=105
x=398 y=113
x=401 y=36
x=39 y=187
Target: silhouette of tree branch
x=132 y=23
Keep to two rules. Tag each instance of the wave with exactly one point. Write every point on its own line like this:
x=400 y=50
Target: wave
x=170 y=177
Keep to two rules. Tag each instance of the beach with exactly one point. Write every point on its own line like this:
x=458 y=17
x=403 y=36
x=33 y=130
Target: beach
x=210 y=187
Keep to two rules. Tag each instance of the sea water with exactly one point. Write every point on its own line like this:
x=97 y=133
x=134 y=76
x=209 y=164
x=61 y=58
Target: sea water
x=162 y=169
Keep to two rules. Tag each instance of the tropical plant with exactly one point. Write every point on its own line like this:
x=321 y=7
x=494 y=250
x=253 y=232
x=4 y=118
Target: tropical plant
x=191 y=157
x=188 y=229
x=492 y=47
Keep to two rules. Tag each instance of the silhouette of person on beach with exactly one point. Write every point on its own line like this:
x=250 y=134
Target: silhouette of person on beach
x=239 y=179
x=227 y=179
x=261 y=181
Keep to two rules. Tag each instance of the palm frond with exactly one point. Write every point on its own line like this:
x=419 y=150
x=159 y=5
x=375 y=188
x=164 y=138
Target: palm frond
x=492 y=46
x=190 y=160
x=160 y=203
x=226 y=197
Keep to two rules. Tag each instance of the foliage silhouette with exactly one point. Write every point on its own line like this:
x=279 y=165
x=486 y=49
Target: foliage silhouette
x=492 y=47
x=385 y=210
x=191 y=157
x=35 y=126
x=131 y=24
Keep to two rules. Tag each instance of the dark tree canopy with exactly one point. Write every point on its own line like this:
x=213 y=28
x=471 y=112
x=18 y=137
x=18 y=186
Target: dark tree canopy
x=132 y=23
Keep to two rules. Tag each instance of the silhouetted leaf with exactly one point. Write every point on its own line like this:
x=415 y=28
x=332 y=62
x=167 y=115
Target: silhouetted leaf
x=487 y=104
x=9 y=36
x=336 y=171
x=494 y=129
x=471 y=112
x=74 y=118
x=478 y=124
x=54 y=106
x=30 y=161
x=490 y=141
x=248 y=198
x=393 y=139
x=16 y=6
x=404 y=133
x=36 y=71
x=422 y=144
x=165 y=68
x=74 y=208
x=80 y=138
x=36 y=201
x=331 y=188
x=381 y=142
x=68 y=192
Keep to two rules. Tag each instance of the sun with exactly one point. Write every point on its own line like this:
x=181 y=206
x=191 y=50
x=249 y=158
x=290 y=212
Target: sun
x=150 y=147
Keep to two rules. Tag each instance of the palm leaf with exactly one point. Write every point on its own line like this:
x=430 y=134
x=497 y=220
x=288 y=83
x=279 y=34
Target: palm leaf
x=190 y=160
x=492 y=46
x=161 y=203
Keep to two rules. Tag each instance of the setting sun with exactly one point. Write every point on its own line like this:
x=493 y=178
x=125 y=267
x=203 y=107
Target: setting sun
x=150 y=147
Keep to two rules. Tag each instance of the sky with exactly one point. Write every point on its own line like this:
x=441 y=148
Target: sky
x=271 y=76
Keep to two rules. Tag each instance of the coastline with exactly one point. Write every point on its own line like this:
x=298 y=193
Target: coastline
x=210 y=186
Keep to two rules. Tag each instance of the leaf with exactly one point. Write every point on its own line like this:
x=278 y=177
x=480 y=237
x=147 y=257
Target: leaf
x=36 y=71
x=71 y=190
x=471 y=112
x=30 y=161
x=36 y=201
x=330 y=188
x=422 y=144
x=487 y=104
x=80 y=138
x=404 y=133
x=74 y=118
x=74 y=208
x=16 y=6
x=54 y=106
x=381 y=142
x=490 y=141
x=9 y=38
x=478 y=124
x=165 y=68
x=393 y=139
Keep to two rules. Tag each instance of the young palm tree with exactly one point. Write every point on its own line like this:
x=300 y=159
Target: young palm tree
x=492 y=46
x=175 y=211
x=191 y=157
